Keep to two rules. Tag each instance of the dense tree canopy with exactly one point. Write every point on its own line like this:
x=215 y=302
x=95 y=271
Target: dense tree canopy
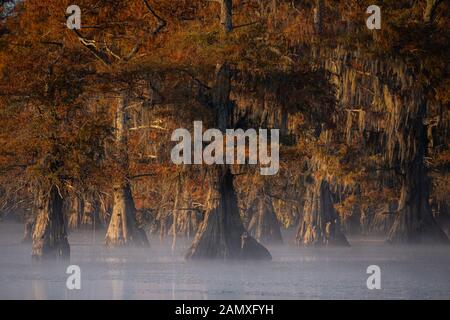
x=87 y=114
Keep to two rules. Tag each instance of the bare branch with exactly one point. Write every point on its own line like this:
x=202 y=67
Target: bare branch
x=128 y=56
x=155 y=127
x=246 y=24
x=161 y=22
x=91 y=45
x=143 y=175
x=198 y=81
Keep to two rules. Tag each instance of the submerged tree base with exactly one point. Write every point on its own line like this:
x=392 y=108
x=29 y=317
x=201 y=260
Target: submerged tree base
x=320 y=225
x=123 y=228
x=49 y=235
x=415 y=223
x=222 y=234
x=264 y=225
x=28 y=231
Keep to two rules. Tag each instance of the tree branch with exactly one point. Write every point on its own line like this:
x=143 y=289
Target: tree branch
x=430 y=11
x=161 y=22
x=91 y=45
x=143 y=175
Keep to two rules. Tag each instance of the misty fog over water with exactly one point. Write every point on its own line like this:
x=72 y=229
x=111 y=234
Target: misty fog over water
x=157 y=273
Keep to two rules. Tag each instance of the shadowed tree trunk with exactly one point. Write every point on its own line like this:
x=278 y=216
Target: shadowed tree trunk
x=414 y=222
x=75 y=210
x=190 y=216
x=320 y=225
x=192 y=221
x=351 y=223
x=318 y=16
x=105 y=209
x=398 y=93
x=28 y=230
x=226 y=14
x=185 y=218
x=50 y=234
x=123 y=228
x=264 y=224
x=176 y=211
x=91 y=212
x=443 y=216
x=378 y=221
x=222 y=234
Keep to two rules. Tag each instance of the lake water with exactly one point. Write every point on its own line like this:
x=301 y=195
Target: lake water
x=157 y=273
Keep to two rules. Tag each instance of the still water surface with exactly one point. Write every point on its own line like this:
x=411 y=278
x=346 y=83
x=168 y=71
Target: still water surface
x=157 y=273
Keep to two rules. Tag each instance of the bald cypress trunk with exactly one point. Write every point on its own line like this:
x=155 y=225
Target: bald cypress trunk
x=392 y=88
x=321 y=225
x=222 y=234
x=50 y=234
x=90 y=217
x=414 y=222
x=264 y=224
x=123 y=228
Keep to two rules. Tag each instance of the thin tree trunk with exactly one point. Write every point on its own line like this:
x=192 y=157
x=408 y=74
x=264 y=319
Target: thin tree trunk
x=175 y=213
x=50 y=234
x=318 y=16
x=75 y=211
x=226 y=15
x=28 y=230
x=194 y=220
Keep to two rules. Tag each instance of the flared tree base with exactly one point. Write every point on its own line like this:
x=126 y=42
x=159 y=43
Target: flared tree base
x=123 y=229
x=264 y=225
x=49 y=234
x=418 y=232
x=320 y=225
x=221 y=234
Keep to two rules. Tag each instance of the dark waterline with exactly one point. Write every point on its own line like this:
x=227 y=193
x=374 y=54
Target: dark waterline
x=157 y=273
